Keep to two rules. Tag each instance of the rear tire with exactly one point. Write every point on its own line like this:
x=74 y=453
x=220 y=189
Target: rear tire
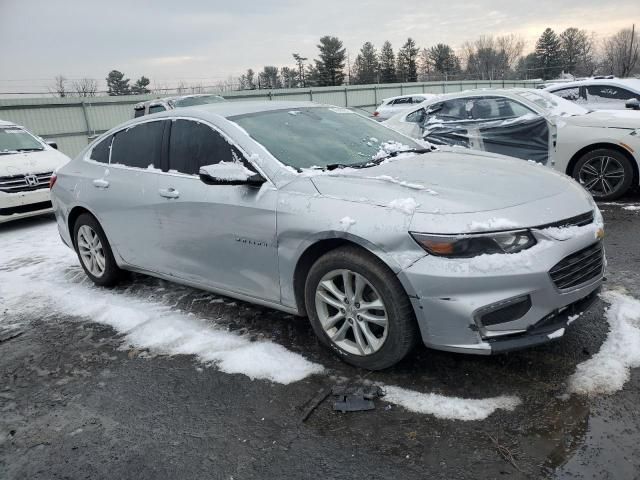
x=94 y=252
x=605 y=173
x=359 y=309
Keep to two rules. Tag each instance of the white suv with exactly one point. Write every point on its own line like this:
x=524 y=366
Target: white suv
x=26 y=165
x=391 y=106
x=599 y=93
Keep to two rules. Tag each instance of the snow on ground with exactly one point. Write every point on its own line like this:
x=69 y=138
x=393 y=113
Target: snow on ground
x=451 y=408
x=39 y=275
x=347 y=222
x=609 y=369
x=632 y=208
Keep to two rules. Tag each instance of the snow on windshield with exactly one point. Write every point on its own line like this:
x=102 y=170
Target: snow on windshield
x=15 y=139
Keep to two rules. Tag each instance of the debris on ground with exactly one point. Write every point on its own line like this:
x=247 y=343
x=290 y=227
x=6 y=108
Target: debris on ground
x=355 y=398
x=9 y=334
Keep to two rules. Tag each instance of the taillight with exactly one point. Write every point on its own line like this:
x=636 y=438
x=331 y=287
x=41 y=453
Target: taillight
x=52 y=181
x=376 y=113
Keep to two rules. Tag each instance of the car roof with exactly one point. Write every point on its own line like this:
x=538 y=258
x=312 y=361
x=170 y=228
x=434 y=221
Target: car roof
x=408 y=95
x=5 y=123
x=633 y=83
x=159 y=101
x=230 y=109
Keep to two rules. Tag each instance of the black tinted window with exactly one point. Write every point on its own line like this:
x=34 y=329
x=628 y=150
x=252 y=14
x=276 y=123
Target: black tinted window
x=572 y=94
x=193 y=145
x=416 y=117
x=138 y=146
x=400 y=101
x=138 y=112
x=608 y=92
x=156 y=109
x=100 y=152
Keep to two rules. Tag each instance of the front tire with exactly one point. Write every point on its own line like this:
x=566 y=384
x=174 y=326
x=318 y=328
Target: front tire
x=358 y=308
x=606 y=174
x=94 y=252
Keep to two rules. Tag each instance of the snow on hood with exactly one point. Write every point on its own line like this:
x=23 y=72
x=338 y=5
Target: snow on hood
x=446 y=182
x=42 y=161
x=607 y=118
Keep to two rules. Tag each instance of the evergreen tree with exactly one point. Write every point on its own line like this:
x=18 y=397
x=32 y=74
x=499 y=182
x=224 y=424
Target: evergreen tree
x=288 y=76
x=526 y=67
x=443 y=60
x=250 y=79
x=407 y=62
x=387 y=64
x=331 y=63
x=140 y=87
x=576 y=51
x=117 y=84
x=300 y=63
x=366 y=65
x=548 y=54
x=311 y=76
x=270 y=78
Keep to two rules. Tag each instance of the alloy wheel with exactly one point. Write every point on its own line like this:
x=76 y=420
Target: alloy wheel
x=91 y=251
x=351 y=312
x=601 y=175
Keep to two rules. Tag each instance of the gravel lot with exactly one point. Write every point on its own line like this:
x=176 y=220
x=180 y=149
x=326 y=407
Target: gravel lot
x=77 y=402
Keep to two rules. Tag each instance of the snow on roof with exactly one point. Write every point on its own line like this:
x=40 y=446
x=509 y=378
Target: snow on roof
x=5 y=123
x=632 y=83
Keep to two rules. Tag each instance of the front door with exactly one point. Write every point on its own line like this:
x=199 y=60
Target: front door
x=223 y=236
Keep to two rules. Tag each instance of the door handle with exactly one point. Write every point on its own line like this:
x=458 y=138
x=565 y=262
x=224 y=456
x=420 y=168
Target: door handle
x=100 y=183
x=169 y=192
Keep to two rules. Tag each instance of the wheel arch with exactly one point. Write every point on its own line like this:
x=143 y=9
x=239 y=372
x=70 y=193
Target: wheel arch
x=321 y=246
x=604 y=145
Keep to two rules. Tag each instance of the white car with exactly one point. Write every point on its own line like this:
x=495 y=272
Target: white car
x=391 y=106
x=26 y=165
x=600 y=149
x=608 y=93
x=169 y=103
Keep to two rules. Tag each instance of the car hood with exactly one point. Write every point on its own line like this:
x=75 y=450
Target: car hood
x=608 y=119
x=447 y=181
x=31 y=162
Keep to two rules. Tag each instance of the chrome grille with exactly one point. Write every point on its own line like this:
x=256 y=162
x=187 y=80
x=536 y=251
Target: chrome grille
x=25 y=183
x=579 y=268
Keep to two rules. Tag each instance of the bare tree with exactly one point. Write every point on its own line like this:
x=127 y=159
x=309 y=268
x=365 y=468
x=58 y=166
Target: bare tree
x=621 y=52
x=59 y=86
x=85 y=87
x=510 y=47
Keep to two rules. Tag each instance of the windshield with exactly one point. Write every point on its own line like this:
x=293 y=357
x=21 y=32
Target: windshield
x=14 y=139
x=321 y=136
x=552 y=103
x=200 y=100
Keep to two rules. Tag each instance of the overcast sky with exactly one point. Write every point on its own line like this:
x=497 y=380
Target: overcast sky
x=204 y=41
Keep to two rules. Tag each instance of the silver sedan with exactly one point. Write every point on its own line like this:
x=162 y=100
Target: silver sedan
x=316 y=210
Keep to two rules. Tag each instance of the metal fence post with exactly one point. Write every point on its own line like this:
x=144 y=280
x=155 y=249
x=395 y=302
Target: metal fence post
x=86 y=119
x=401 y=90
x=346 y=97
x=375 y=94
x=310 y=95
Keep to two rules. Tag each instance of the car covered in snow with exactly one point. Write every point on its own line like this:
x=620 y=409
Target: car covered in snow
x=394 y=105
x=600 y=93
x=600 y=149
x=169 y=103
x=317 y=210
x=26 y=165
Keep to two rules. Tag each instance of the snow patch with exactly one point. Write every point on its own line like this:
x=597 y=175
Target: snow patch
x=491 y=225
x=414 y=186
x=632 y=208
x=404 y=205
x=609 y=369
x=347 y=222
x=449 y=408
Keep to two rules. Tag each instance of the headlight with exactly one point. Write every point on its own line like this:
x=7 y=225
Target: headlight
x=467 y=246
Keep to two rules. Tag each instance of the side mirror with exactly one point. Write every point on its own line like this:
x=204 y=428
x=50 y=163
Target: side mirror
x=52 y=144
x=633 y=104
x=230 y=173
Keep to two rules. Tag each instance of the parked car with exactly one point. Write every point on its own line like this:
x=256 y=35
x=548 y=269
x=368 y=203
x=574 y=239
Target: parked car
x=316 y=210
x=169 y=103
x=599 y=149
x=600 y=93
x=391 y=106
x=26 y=165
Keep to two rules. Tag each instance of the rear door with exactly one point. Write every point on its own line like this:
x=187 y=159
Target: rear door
x=124 y=192
x=223 y=236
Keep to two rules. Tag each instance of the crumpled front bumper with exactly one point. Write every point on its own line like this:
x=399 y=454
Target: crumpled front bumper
x=448 y=297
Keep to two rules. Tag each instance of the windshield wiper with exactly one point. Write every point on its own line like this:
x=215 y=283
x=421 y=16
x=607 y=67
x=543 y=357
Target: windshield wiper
x=334 y=166
x=32 y=149
x=398 y=152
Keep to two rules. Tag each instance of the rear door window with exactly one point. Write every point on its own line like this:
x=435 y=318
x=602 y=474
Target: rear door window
x=402 y=101
x=194 y=144
x=572 y=94
x=139 y=146
x=100 y=153
x=608 y=92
